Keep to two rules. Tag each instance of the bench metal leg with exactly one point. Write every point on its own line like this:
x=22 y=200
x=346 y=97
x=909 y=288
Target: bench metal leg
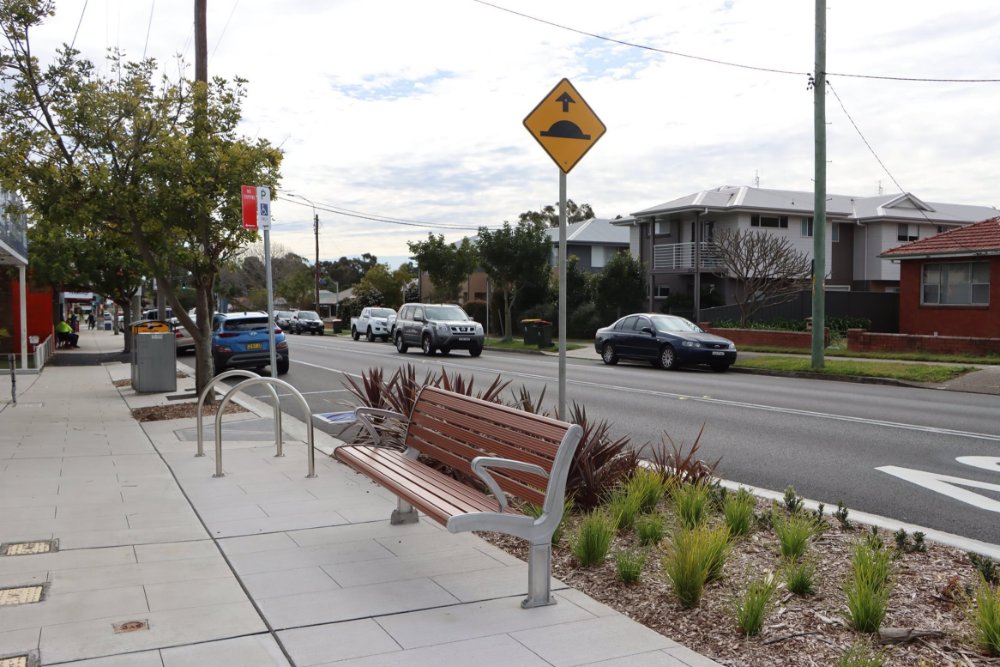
x=404 y=513
x=539 y=576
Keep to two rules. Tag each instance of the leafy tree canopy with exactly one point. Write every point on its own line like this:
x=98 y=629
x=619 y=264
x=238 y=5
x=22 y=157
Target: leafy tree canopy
x=549 y=215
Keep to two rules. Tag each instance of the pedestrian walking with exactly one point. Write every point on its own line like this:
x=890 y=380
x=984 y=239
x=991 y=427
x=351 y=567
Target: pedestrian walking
x=91 y=320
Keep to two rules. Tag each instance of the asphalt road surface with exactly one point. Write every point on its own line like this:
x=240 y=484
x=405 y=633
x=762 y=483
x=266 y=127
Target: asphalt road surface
x=921 y=456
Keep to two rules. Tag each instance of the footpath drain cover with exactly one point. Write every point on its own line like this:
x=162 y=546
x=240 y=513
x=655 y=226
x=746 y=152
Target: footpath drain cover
x=131 y=626
x=20 y=595
x=27 y=549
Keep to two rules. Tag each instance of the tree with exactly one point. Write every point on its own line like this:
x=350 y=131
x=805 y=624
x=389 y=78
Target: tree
x=448 y=265
x=767 y=267
x=621 y=286
x=346 y=271
x=549 y=215
x=578 y=287
x=514 y=257
x=155 y=167
x=387 y=283
x=298 y=287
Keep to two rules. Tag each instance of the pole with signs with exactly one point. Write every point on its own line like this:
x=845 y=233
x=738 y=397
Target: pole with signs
x=257 y=215
x=566 y=128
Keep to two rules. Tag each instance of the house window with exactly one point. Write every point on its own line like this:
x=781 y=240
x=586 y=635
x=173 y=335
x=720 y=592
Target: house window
x=956 y=284
x=662 y=291
x=807 y=227
x=776 y=221
x=598 y=257
x=905 y=232
x=663 y=228
x=835 y=233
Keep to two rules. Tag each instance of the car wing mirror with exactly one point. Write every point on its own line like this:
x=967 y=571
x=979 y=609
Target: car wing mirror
x=648 y=330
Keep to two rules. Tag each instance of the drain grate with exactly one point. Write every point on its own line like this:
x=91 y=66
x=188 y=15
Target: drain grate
x=21 y=595
x=131 y=626
x=28 y=548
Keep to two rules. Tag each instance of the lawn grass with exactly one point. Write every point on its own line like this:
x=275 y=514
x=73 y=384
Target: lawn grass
x=518 y=344
x=893 y=356
x=875 y=369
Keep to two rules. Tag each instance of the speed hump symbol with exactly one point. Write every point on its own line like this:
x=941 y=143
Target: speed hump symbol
x=564 y=125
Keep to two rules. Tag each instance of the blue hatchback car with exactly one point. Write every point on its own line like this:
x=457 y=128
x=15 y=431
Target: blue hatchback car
x=240 y=340
x=666 y=341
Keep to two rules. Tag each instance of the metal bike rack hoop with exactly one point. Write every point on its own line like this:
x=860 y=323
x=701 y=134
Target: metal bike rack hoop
x=268 y=381
x=245 y=374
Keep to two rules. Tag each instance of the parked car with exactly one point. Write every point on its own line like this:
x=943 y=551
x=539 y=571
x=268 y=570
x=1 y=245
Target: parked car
x=283 y=318
x=240 y=340
x=307 y=321
x=437 y=326
x=183 y=338
x=372 y=323
x=666 y=341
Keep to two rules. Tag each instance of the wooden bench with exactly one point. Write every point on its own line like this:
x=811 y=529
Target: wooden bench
x=509 y=451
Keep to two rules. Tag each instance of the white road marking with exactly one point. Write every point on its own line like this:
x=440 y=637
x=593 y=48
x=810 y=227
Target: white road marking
x=948 y=486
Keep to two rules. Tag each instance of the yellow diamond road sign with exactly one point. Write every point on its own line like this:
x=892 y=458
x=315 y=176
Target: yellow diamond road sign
x=564 y=125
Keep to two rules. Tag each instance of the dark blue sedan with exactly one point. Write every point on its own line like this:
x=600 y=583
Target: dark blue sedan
x=666 y=341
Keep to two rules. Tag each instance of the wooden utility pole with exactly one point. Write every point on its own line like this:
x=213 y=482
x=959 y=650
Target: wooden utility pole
x=200 y=40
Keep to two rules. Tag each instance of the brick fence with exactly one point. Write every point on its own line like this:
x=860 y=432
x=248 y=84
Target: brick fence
x=765 y=337
x=859 y=340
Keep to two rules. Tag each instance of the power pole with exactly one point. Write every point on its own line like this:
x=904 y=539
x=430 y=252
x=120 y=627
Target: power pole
x=819 y=202
x=200 y=40
x=316 y=232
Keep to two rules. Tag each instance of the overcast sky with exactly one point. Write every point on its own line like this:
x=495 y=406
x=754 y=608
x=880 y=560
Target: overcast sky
x=413 y=110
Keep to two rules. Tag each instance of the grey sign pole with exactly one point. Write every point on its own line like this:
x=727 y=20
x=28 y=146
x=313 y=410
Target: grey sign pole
x=264 y=218
x=562 y=295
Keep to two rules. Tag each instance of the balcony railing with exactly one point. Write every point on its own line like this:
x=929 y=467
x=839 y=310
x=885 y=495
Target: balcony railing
x=680 y=257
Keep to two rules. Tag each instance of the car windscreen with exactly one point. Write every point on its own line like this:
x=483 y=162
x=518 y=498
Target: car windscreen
x=308 y=315
x=450 y=313
x=382 y=312
x=246 y=324
x=675 y=324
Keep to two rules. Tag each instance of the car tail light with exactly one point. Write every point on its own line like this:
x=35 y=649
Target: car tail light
x=177 y=334
x=281 y=345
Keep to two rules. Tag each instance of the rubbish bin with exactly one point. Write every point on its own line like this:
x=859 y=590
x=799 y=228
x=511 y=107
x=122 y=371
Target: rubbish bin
x=338 y=325
x=530 y=334
x=544 y=334
x=154 y=356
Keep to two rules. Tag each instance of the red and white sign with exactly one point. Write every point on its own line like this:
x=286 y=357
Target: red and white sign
x=256 y=206
x=249 y=206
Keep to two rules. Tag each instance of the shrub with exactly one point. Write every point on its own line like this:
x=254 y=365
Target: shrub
x=800 y=577
x=648 y=488
x=600 y=463
x=986 y=567
x=752 y=607
x=841 y=515
x=696 y=556
x=986 y=617
x=624 y=507
x=649 y=529
x=867 y=588
x=857 y=656
x=794 y=533
x=673 y=462
x=793 y=503
x=691 y=503
x=738 y=509
x=594 y=539
x=629 y=564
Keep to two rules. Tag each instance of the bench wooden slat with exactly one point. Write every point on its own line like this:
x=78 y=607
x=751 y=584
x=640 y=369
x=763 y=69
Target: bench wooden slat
x=433 y=492
x=541 y=427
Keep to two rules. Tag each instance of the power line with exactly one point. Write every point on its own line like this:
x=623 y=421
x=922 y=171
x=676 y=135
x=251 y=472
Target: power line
x=149 y=27
x=727 y=63
x=380 y=218
x=223 y=33
x=79 y=23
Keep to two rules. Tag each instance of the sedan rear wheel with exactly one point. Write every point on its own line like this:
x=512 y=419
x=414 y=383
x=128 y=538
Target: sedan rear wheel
x=668 y=358
x=608 y=354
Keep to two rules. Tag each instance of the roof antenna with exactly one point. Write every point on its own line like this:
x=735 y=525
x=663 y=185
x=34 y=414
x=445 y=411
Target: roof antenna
x=880 y=190
x=756 y=179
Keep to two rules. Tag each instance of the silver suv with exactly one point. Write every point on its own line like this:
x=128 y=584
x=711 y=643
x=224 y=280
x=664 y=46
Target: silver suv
x=437 y=326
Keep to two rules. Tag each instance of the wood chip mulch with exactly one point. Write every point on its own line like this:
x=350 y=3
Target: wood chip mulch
x=180 y=411
x=931 y=591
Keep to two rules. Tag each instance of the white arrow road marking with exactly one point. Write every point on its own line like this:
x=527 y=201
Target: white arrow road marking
x=950 y=486
x=991 y=463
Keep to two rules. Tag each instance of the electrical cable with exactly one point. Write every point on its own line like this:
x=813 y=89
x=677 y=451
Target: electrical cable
x=379 y=218
x=223 y=33
x=149 y=27
x=79 y=23
x=727 y=63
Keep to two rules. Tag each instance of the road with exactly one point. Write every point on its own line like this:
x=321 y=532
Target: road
x=886 y=450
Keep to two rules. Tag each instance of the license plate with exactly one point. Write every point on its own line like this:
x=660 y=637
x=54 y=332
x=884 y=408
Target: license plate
x=464 y=340
x=717 y=353
x=255 y=346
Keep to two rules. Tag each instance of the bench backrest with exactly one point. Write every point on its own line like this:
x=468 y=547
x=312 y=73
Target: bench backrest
x=454 y=429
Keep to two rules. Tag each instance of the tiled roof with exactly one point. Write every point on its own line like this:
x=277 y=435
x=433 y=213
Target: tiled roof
x=979 y=238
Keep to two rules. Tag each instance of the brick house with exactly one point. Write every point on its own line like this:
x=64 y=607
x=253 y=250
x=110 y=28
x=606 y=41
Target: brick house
x=950 y=283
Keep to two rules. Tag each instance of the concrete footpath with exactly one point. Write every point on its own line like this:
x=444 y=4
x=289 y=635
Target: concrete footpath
x=119 y=547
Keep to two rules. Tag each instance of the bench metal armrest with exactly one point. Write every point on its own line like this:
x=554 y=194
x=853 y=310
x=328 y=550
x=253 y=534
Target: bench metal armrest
x=364 y=414
x=481 y=463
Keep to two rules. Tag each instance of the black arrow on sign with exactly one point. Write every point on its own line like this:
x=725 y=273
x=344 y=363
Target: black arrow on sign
x=566 y=101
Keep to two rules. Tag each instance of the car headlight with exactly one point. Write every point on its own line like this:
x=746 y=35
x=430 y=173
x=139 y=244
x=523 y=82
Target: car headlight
x=479 y=329
x=690 y=343
x=443 y=328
